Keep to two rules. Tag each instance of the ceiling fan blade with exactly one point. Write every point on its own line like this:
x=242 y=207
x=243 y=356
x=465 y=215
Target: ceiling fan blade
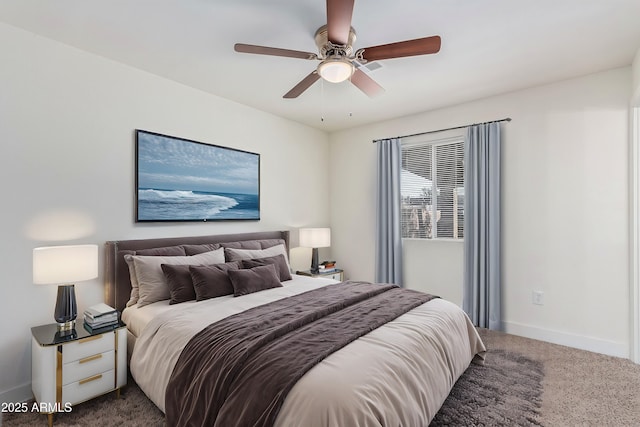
x=339 y=14
x=366 y=84
x=423 y=46
x=303 y=85
x=264 y=50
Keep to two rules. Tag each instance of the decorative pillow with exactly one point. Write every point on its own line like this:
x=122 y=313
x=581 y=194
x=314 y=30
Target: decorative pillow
x=254 y=279
x=179 y=281
x=151 y=281
x=211 y=281
x=244 y=244
x=198 y=249
x=166 y=251
x=279 y=261
x=241 y=254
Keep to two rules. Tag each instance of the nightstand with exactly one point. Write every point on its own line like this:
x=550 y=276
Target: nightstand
x=336 y=274
x=71 y=367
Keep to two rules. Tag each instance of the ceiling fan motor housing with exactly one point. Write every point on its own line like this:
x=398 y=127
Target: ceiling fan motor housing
x=327 y=48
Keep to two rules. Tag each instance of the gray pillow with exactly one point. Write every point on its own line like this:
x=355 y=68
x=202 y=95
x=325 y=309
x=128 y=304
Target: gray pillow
x=166 y=251
x=179 y=282
x=240 y=254
x=151 y=281
x=211 y=281
x=278 y=261
x=254 y=279
x=198 y=249
x=245 y=244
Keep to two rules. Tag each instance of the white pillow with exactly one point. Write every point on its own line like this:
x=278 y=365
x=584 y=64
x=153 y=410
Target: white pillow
x=152 y=284
x=238 y=254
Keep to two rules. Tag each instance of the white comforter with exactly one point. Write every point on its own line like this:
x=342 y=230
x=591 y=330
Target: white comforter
x=399 y=374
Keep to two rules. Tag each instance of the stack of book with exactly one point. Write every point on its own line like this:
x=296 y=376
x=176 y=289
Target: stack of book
x=100 y=316
x=327 y=267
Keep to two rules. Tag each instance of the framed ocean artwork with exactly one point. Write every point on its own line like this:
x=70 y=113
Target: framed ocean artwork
x=182 y=180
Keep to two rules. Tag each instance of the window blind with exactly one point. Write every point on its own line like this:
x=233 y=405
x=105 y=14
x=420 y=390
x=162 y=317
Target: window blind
x=432 y=188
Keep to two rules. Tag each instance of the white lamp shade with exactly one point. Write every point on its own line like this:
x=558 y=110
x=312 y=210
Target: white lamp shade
x=64 y=264
x=315 y=237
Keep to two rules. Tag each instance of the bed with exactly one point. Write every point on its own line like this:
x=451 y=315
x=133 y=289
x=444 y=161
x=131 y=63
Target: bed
x=398 y=373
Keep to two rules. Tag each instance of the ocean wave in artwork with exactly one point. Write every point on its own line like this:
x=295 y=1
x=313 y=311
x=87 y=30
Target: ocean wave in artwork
x=182 y=204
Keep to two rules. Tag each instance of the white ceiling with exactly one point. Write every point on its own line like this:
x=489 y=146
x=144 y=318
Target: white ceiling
x=488 y=47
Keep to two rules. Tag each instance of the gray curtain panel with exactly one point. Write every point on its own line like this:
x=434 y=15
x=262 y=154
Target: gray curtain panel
x=388 y=230
x=481 y=295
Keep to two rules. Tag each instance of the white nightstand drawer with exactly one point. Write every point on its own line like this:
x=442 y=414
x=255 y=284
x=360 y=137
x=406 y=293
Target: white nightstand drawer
x=89 y=387
x=334 y=276
x=88 y=347
x=87 y=367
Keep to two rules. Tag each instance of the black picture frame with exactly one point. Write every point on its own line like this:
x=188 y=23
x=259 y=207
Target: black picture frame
x=178 y=179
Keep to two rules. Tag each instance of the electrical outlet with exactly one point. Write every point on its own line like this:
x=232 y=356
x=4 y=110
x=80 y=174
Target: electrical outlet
x=537 y=297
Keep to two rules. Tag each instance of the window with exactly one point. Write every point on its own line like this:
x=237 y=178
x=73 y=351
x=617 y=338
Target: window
x=432 y=188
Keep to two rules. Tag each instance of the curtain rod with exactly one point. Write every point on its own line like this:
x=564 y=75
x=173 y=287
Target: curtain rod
x=508 y=119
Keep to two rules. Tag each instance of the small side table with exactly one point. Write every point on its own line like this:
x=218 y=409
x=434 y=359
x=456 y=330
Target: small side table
x=336 y=274
x=74 y=366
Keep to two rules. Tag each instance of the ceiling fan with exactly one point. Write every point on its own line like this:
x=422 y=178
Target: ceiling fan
x=338 y=61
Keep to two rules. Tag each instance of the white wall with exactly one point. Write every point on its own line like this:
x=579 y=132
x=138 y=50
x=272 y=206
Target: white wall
x=635 y=69
x=565 y=208
x=67 y=121
x=445 y=272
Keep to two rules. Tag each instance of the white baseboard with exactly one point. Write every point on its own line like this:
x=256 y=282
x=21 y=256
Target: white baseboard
x=18 y=394
x=610 y=348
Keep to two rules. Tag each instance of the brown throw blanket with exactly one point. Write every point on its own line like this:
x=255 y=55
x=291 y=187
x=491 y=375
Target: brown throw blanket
x=238 y=371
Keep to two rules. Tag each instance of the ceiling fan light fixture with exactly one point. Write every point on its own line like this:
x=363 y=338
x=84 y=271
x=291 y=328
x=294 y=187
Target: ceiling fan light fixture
x=335 y=69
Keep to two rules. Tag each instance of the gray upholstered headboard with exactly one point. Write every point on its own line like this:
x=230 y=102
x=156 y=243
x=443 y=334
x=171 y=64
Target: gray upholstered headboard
x=117 y=282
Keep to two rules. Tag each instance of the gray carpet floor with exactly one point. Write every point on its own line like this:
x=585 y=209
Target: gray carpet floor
x=579 y=388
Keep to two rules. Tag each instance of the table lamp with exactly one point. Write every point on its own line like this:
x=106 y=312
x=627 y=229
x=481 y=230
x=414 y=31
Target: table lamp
x=315 y=238
x=63 y=266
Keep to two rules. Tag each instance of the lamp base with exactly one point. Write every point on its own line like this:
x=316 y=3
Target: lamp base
x=314 y=261
x=66 y=310
x=67 y=326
